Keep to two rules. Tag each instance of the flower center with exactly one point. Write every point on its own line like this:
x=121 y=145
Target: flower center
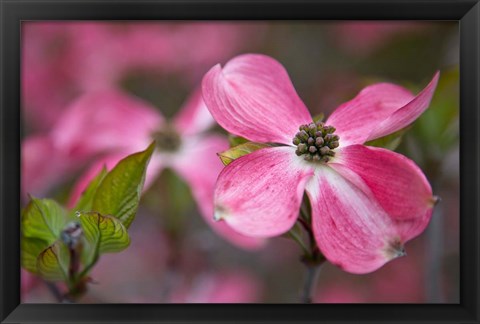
x=167 y=139
x=316 y=142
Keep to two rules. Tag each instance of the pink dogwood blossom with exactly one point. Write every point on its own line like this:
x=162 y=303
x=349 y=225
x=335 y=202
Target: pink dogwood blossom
x=366 y=201
x=112 y=124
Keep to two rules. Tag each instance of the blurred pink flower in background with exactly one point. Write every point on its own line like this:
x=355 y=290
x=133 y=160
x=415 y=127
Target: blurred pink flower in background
x=108 y=125
x=339 y=293
x=144 y=46
x=137 y=274
x=401 y=283
x=43 y=166
x=81 y=135
x=47 y=82
x=394 y=283
x=366 y=202
x=61 y=60
x=364 y=37
x=232 y=286
x=27 y=282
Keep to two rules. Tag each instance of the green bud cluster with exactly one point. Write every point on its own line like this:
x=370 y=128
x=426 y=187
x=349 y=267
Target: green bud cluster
x=167 y=139
x=316 y=142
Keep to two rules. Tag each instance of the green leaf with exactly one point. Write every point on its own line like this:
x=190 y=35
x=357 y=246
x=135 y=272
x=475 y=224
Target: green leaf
x=53 y=262
x=106 y=233
x=234 y=153
x=86 y=200
x=43 y=219
x=42 y=222
x=236 y=140
x=119 y=193
x=391 y=141
x=30 y=250
x=103 y=234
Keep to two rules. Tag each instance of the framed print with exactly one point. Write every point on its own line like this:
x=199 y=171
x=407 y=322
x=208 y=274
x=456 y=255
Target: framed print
x=238 y=161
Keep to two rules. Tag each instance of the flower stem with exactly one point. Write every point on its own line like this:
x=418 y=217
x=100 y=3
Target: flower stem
x=310 y=282
x=311 y=276
x=312 y=257
x=294 y=236
x=304 y=214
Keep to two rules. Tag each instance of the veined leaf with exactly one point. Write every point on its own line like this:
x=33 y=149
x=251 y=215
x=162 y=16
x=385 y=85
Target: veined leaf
x=234 y=153
x=86 y=200
x=52 y=263
x=42 y=222
x=119 y=192
x=106 y=232
x=391 y=141
x=30 y=249
x=103 y=234
x=43 y=219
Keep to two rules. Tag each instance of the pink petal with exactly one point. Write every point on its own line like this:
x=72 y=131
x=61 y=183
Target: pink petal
x=351 y=228
x=397 y=183
x=108 y=120
x=260 y=193
x=253 y=97
x=201 y=176
x=379 y=110
x=407 y=114
x=194 y=116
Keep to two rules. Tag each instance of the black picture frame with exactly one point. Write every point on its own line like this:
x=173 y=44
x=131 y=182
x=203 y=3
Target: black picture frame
x=13 y=12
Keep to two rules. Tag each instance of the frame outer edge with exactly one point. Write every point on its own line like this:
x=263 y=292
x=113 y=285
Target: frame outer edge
x=9 y=160
x=469 y=141
x=10 y=14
